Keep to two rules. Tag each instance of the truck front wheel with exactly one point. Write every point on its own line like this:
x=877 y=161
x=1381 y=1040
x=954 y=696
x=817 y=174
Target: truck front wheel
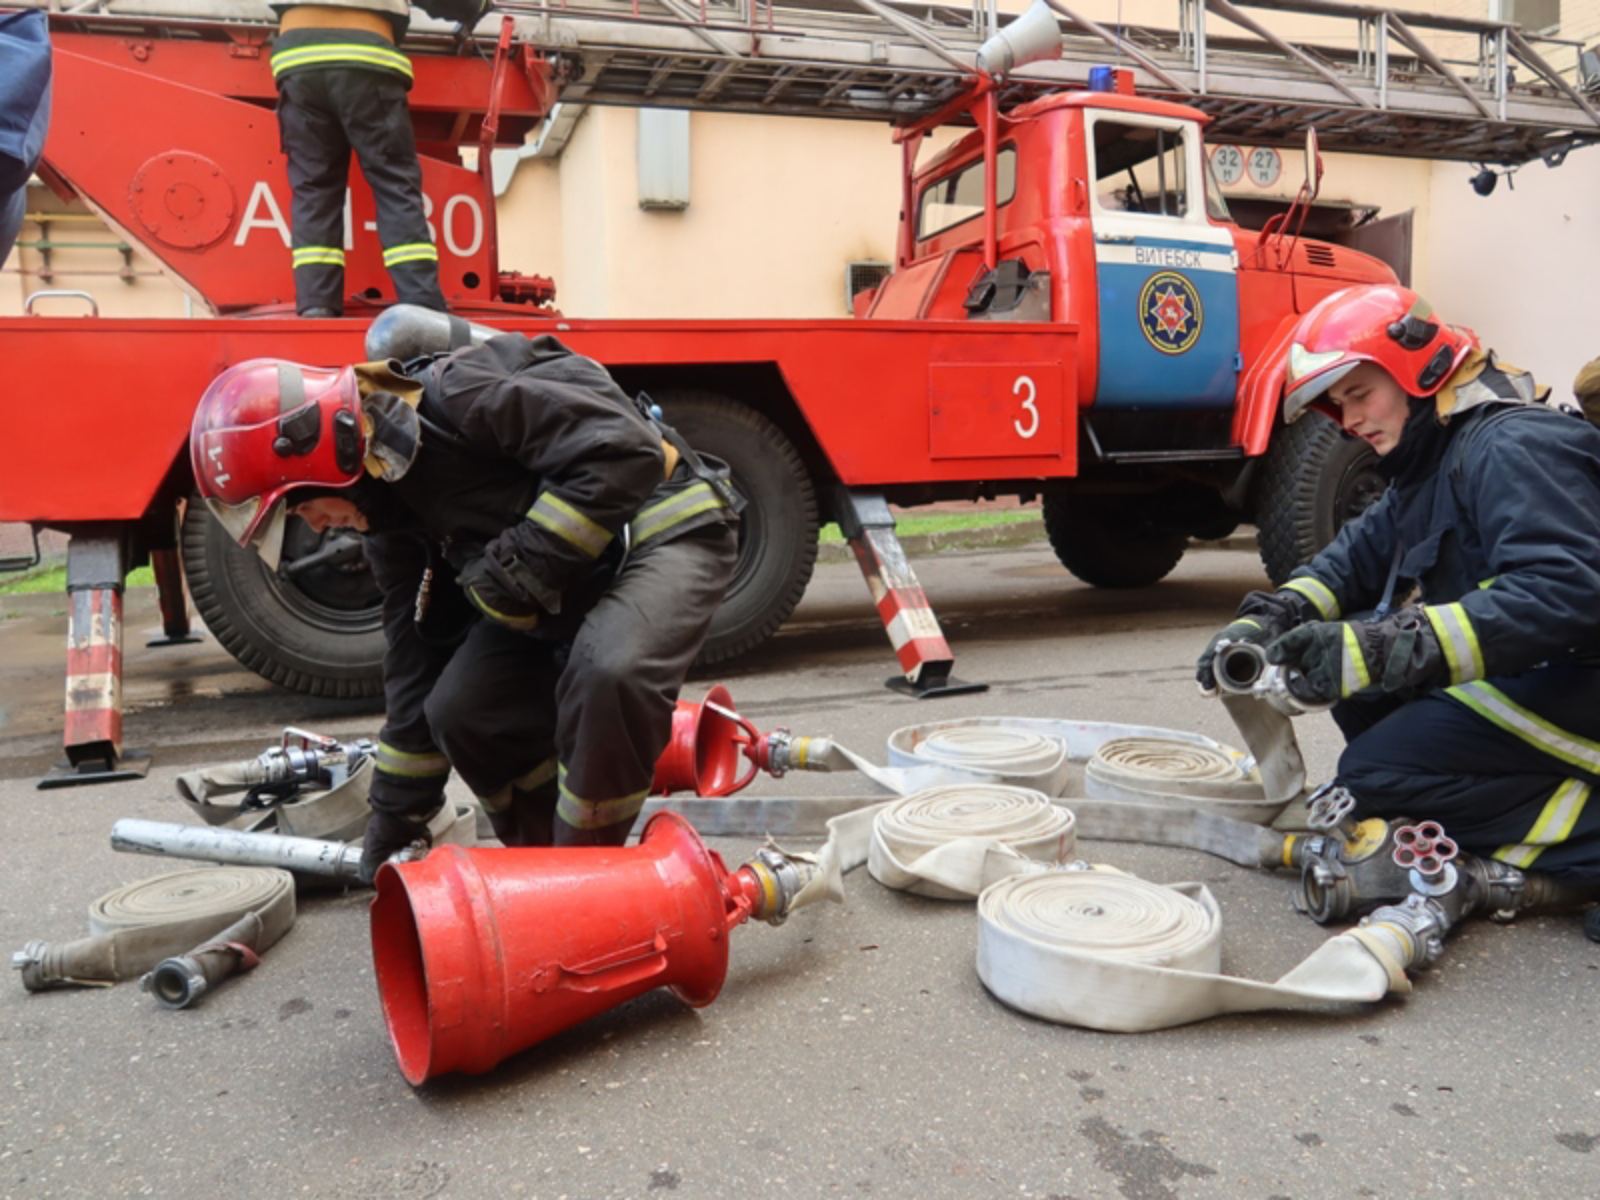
x=1110 y=541
x=319 y=632
x=1313 y=480
x=778 y=532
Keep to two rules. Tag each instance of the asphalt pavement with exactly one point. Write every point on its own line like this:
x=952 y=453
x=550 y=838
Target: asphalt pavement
x=853 y=1050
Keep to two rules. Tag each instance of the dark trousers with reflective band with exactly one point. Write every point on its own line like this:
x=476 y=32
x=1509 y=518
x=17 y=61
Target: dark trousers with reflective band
x=1495 y=791
x=508 y=703
x=323 y=115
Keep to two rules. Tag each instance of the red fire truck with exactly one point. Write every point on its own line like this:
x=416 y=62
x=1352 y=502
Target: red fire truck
x=1073 y=317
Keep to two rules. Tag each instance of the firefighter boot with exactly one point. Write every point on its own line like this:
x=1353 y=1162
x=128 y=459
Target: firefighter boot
x=523 y=813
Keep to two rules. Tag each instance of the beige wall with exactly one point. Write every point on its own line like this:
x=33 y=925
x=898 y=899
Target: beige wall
x=94 y=270
x=777 y=207
x=1521 y=266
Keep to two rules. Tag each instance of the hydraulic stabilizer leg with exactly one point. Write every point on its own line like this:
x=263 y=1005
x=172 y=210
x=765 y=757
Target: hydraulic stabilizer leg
x=97 y=565
x=919 y=643
x=175 y=627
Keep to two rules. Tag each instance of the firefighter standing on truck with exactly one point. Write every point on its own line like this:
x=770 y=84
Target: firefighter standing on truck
x=342 y=85
x=1477 y=704
x=549 y=555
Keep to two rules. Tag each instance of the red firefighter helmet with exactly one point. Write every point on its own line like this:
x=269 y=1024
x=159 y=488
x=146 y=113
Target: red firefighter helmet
x=266 y=427
x=1377 y=323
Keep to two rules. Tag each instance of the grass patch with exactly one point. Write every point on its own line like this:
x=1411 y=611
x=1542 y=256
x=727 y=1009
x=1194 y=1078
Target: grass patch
x=54 y=579
x=829 y=535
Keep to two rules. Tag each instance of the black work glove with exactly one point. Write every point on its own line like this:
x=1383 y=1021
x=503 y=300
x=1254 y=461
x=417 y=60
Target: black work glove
x=1262 y=618
x=387 y=834
x=495 y=594
x=1332 y=660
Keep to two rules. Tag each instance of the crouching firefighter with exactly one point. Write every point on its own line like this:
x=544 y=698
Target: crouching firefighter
x=1455 y=625
x=549 y=557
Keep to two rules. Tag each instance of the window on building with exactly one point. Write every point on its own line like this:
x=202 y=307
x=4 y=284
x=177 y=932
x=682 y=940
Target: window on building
x=958 y=197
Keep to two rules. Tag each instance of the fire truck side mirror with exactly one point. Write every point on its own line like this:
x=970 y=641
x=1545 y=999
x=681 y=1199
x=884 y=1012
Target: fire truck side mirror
x=1313 y=165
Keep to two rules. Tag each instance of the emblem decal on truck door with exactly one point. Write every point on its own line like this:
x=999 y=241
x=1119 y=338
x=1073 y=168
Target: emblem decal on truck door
x=1170 y=312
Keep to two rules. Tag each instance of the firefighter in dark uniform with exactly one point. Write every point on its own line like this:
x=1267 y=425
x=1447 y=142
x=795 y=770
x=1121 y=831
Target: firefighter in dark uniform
x=24 y=114
x=1455 y=623
x=549 y=555
x=342 y=85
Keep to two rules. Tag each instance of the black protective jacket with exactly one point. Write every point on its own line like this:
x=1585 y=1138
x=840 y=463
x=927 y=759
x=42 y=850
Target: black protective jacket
x=534 y=455
x=1502 y=542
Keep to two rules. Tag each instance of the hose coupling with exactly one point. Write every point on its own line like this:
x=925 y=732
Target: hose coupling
x=1423 y=921
x=772 y=753
x=32 y=961
x=778 y=879
x=1242 y=669
x=175 y=982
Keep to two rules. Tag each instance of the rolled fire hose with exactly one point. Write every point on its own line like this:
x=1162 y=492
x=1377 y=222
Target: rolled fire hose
x=1084 y=945
x=1135 y=763
x=133 y=928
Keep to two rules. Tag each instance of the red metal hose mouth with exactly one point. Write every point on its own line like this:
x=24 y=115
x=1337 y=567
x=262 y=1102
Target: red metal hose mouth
x=402 y=977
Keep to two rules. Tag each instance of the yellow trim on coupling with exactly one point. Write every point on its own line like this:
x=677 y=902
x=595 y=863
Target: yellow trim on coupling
x=1289 y=839
x=1353 y=665
x=305 y=256
x=1318 y=593
x=411 y=764
x=769 y=886
x=798 y=749
x=1367 y=935
x=1462 y=650
x=324 y=54
x=596 y=814
x=1494 y=706
x=410 y=252
x=572 y=526
x=1555 y=824
x=674 y=510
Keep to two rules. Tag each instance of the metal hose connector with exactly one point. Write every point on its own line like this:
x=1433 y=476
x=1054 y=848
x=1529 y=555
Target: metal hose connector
x=1239 y=665
x=1242 y=669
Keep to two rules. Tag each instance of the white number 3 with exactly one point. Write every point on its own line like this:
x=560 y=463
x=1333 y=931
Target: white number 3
x=1025 y=387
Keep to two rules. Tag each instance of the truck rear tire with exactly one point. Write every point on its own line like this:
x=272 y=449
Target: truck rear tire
x=1314 y=479
x=778 y=534
x=1106 y=542
x=322 y=638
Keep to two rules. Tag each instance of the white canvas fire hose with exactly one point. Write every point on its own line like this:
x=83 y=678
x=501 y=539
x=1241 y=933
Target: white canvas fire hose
x=217 y=919
x=1076 y=944
x=1139 y=763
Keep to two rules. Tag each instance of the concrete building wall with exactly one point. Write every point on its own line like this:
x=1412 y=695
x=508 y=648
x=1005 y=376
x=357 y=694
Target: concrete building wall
x=777 y=208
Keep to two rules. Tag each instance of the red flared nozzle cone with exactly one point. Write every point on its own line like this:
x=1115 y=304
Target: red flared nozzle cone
x=482 y=953
x=707 y=744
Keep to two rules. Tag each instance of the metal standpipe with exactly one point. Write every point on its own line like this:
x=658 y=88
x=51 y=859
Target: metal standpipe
x=303 y=856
